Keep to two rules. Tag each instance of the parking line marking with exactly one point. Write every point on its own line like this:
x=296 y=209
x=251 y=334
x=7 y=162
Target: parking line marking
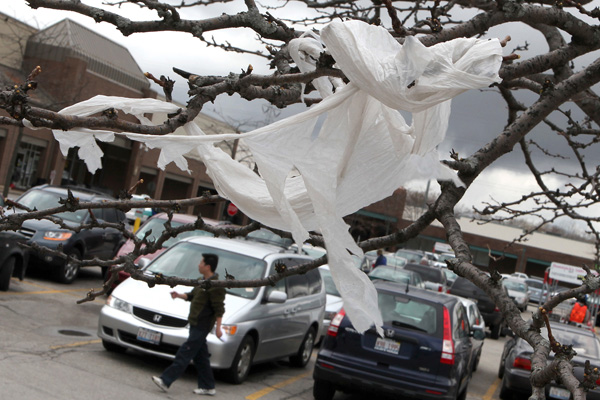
x=76 y=344
x=267 y=390
x=490 y=392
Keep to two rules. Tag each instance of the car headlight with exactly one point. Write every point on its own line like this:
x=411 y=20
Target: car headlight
x=227 y=329
x=118 y=304
x=57 y=235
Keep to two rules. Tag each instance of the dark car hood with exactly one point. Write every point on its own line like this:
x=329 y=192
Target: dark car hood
x=42 y=224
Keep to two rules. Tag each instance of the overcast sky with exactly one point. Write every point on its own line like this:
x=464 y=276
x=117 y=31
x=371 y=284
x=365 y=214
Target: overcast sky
x=477 y=117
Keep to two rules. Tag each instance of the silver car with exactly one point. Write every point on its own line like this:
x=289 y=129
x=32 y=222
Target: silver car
x=260 y=323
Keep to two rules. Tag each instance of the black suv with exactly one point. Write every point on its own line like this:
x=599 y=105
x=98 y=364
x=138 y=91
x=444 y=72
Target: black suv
x=13 y=258
x=102 y=243
x=491 y=314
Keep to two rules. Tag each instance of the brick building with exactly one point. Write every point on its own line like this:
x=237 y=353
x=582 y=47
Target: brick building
x=78 y=63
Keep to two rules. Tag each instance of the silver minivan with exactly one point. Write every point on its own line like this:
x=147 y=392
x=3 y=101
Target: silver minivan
x=260 y=323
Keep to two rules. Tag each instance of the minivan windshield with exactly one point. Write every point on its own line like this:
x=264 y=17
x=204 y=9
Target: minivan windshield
x=157 y=226
x=43 y=200
x=182 y=260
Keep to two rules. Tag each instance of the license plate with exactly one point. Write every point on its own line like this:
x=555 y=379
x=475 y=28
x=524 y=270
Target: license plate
x=150 y=336
x=387 y=345
x=559 y=393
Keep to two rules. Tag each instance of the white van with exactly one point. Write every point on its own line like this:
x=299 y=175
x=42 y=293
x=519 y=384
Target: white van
x=260 y=323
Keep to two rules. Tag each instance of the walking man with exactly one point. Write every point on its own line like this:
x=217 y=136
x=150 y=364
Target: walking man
x=207 y=308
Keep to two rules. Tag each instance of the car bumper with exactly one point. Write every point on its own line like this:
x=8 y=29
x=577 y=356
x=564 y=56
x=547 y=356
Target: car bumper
x=349 y=378
x=518 y=381
x=121 y=328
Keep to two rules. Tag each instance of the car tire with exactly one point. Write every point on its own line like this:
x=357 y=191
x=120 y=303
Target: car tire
x=112 y=347
x=323 y=390
x=476 y=363
x=6 y=272
x=302 y=358
x=505 y=393
x=495 y=330
x=238 y=372
x=463 y=395
x=68 y=271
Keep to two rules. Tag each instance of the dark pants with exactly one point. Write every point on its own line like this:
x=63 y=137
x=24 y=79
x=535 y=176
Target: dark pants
x=194 y=348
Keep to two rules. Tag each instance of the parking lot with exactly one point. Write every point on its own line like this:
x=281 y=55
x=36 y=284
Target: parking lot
x=50 y=351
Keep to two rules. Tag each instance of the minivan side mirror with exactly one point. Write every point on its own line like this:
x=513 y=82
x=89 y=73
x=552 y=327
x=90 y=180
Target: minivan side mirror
x=277 y=296
x=478 y=334
x=143 y=263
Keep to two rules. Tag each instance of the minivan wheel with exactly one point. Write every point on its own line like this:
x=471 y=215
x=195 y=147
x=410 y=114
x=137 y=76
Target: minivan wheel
x=242 y=361
x=303 y=356
x=495 y=331
x=68 y=271
x=323 y=390
x=6 y=271
x=505 y=393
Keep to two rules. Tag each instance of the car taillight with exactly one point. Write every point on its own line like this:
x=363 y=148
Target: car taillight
x=447 y=343
x=334 y=325
x=522 y=363
x=440 y=289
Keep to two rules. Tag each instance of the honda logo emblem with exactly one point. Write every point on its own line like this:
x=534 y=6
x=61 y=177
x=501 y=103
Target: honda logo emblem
x=390 y=333
x=157 y=318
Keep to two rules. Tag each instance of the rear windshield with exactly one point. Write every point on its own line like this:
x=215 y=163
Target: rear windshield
x=390 y=274
x=182 y=260
x=514 y=285
x=428 y=274
x=535 y=284
x=463 y=284
x=408 y=312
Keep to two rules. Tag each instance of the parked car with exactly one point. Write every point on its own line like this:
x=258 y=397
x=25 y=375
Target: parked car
x=519 y=275
x=515 y=362
x=398 y=275
x=426 y=353
x=412 y=256
x=491 y=314
x=13 y=258
x=518 y=291
x=156 y=225
x=102 y=243
x=142 y=213
x=537 y=289
x=477 y=323
x=334 y=299
x=433 y=277
x=260 y=323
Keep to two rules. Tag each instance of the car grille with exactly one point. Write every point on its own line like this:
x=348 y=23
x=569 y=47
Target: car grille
x=158 y=318
x=27 y=232
x=161 y=348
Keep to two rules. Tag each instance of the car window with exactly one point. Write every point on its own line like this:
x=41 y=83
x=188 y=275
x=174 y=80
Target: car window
x=429 y=274
x=515 y=285
x=461 y=326
x=328 y=281
x=390 y=274
x=182 y=260
x=297 y=286
x=315 y=283
x=534 y=283
x=408 y=312
x=410 y=256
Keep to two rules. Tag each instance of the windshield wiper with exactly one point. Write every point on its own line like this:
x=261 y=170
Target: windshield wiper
x=405 y=325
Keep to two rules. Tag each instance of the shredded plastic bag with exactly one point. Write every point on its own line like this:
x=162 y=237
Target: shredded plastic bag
x=352 y=149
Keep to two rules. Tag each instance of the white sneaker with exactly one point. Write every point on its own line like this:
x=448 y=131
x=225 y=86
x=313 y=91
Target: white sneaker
x=207 y=392
x=159 y=382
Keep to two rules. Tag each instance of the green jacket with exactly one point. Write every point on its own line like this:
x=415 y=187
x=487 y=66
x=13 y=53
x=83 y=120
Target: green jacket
x=199 y=297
